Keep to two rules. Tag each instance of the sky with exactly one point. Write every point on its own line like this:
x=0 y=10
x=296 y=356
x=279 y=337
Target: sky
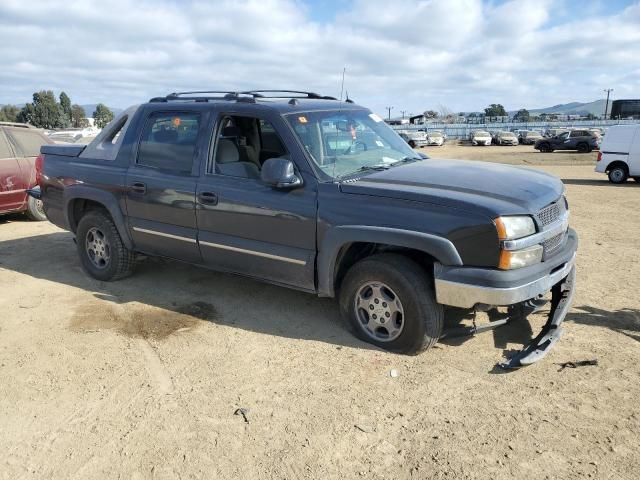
x=460 y=55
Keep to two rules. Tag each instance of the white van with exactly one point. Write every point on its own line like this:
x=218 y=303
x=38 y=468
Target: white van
x=619 y=154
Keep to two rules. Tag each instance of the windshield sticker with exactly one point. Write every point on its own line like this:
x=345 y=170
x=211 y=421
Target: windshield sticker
x=379 y=143
x=375 y=117
x=177 y=121
x=302 y=119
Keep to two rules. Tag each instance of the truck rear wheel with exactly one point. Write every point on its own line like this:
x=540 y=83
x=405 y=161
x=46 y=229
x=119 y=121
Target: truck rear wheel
x=102 y=253
x=388 y=300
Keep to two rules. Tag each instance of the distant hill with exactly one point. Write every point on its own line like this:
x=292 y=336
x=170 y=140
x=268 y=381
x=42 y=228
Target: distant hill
x=573 y=108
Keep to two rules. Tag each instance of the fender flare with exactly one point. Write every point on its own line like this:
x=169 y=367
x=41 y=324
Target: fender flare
x=335 y=239
x=103 y=197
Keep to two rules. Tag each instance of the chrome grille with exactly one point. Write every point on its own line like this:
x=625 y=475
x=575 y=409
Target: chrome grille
x=550 y=246
x=551 y=213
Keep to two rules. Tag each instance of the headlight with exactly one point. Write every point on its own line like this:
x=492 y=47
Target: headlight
x=512 y=259
x=512 y=228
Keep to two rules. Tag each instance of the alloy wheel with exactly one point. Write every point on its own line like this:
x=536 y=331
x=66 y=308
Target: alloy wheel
x=379 y=311
x=98 y=248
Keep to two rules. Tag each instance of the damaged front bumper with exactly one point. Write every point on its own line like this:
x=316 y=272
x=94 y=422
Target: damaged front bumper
x=479 y=288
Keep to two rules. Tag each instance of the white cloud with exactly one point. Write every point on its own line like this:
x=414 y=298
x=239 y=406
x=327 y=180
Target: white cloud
x=411 y=54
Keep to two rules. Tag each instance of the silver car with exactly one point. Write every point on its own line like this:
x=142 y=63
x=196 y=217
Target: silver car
x=507 y=138
x=480 y=137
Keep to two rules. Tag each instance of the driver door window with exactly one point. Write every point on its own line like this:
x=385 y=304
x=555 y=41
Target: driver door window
x=242 y=145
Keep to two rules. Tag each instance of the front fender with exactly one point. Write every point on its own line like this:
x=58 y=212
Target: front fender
x=103 y=197
x=337 y=237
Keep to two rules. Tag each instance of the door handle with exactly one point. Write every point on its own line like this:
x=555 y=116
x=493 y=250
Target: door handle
x=208 y=197
x=138 y=187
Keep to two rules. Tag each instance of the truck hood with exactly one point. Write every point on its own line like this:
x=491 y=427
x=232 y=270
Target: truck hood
x=487 y=188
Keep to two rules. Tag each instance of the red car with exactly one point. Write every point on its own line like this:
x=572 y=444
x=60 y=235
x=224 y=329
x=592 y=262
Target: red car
x=19 y=149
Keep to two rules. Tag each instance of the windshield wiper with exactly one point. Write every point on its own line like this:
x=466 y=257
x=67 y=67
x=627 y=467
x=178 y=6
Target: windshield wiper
x=365 y=168
x=406 y=160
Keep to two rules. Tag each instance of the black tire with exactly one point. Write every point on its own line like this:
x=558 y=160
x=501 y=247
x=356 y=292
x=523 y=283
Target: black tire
x=97 y=226
x=618 y=174
x=35 y=210
x=545 y=147
x=422 y=317
x=583 y=147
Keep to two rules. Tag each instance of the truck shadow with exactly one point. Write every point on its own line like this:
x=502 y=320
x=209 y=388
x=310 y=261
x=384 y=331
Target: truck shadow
x=516 y=331
x=172 y=286
x=625 y=320
x=599 y=183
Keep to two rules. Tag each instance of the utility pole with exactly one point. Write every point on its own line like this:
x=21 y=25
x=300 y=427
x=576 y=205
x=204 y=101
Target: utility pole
x=606 y=106
x=389 y=110
x=403 y=112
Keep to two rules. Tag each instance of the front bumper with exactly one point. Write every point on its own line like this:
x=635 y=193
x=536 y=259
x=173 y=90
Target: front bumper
x=466 y=287
x=495 y=288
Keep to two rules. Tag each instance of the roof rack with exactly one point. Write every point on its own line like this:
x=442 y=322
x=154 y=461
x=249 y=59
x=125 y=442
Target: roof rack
x=249 y=96
x=298 y=94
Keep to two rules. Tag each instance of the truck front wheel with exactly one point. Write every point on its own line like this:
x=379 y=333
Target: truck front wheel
x=388 y=300
x=102 y=252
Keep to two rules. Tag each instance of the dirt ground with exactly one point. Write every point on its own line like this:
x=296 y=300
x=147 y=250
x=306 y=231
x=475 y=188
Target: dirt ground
x=144 y=378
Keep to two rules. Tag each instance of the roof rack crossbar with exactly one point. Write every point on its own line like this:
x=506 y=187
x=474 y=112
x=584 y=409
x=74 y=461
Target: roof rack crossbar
x=239 y=96
x=300 y=94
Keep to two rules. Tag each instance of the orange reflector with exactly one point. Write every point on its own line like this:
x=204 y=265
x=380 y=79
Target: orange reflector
x=505 y=260
x=502 y=230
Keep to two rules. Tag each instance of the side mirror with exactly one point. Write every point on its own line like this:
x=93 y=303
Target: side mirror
x=279 y=173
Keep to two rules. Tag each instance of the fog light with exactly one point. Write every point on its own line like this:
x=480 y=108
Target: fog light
x=512 y=259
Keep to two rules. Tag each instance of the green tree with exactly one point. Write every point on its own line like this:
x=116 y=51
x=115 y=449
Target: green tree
x=65 y=105
x=78 y=117
x=43 y=112
x=102 y=115
x=9 y=113
x=522 y=115
x=495 y=110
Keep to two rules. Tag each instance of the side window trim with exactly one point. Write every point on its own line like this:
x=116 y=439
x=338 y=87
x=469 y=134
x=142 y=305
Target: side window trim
x=148 y=121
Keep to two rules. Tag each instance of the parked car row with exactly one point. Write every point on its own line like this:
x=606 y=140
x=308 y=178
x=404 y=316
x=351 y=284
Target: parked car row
x=423 y=138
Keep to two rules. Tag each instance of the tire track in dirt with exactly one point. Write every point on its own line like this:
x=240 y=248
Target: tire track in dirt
x=161 y=378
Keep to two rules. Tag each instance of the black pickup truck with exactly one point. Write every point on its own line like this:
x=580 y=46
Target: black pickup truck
x=320 y=195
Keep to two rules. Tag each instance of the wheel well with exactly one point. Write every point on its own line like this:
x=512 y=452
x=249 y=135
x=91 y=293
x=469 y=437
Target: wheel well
x=80 y=207
x=352 y=253
x=618 y=163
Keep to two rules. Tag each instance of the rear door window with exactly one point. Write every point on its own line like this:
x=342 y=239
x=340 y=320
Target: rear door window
x=5 y=148
x=168 y=142
x=27 y=141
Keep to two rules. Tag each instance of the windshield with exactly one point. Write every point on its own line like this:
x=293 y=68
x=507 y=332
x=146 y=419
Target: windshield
x=342 y=142
x=507 y=134
x=481 y=134
x=435 y=134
